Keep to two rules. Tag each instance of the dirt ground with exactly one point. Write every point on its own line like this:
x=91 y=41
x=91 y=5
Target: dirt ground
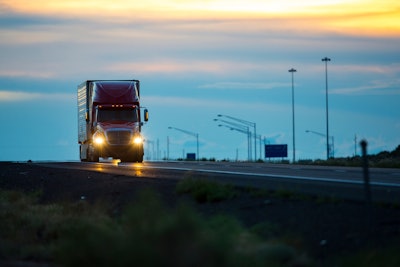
x=324 y=228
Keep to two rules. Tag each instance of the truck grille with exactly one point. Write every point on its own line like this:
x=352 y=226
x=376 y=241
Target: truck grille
x=121 y=137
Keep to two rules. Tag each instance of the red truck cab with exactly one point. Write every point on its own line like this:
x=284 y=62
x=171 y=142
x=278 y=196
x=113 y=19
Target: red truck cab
x=109 y=120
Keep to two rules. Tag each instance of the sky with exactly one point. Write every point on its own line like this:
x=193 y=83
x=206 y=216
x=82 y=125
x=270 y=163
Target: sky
x=198 y=59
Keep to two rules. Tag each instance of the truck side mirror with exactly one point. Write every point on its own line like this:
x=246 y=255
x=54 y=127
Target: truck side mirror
x=146 y=115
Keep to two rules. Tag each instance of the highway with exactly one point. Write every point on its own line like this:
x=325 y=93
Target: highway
x=335 y=182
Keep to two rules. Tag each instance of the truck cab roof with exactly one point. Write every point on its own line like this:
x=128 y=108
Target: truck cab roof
x=115 y=92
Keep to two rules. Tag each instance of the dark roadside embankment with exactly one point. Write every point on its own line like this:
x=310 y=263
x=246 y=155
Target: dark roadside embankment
x=311 y=231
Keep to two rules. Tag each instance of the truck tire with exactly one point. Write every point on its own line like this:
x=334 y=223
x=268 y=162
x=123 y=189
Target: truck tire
x=139 y=155
x=80 y=154
x=130 y=158
x=135 y=156
x=140 y=159
x=93 y=156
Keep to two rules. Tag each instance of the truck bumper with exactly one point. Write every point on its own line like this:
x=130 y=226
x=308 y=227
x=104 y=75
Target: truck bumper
x=132 y=153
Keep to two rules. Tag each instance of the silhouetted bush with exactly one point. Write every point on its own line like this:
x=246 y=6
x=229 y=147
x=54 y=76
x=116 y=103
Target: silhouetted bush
x=204 y=190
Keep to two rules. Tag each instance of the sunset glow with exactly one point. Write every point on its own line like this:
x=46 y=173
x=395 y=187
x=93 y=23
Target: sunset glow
x=199 y=58
x=326 y=7
x=366 y=17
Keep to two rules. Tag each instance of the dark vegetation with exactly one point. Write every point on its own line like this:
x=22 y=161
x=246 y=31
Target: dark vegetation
x=384 y=159
x=47 y=220
x=145 y=234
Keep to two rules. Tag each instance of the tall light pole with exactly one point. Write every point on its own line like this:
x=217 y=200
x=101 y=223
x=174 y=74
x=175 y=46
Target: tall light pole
x=355 y=145
x=167 y=147
x=326 y=59
x=292 y=71
x=192 y=134
x=248 y=123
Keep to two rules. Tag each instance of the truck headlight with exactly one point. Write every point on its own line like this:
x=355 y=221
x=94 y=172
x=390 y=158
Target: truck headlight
x=137 y=140
x=98 y=138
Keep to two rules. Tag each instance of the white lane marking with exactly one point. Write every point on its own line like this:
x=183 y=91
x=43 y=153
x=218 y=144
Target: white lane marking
x=294 y=177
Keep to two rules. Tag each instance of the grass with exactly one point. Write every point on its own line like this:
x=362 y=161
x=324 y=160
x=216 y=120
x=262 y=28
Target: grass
x=377 y=257
x=203 y=190
x=30 y=231
x=146 y=234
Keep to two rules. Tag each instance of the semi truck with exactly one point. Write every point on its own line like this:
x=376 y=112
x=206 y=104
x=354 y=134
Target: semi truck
x=109 y=120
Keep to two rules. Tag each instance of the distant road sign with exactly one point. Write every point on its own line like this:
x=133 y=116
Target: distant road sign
x=191 y=156
x=276 y=151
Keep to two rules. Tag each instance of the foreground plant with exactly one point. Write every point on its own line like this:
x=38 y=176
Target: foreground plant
x=146 y=234
x=203 y=190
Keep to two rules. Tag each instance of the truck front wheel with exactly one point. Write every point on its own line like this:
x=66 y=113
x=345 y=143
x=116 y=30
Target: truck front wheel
x=92 y=155
x=139 y=154
x=81 y=156
x=134 y=156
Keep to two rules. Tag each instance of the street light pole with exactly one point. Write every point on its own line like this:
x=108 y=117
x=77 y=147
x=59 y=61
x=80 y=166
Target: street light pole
x=332 y=144
x=241 y=128
x=192 y=134
x=248 y=123
x=326 y=59
x=292 y=71
x=167 y=147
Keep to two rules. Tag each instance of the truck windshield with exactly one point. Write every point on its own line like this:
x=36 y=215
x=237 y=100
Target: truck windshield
x=104 y=115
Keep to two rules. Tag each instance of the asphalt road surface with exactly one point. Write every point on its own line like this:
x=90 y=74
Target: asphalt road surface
x=342 y=182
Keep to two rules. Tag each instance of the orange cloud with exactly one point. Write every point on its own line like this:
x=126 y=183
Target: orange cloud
x=355 y=17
